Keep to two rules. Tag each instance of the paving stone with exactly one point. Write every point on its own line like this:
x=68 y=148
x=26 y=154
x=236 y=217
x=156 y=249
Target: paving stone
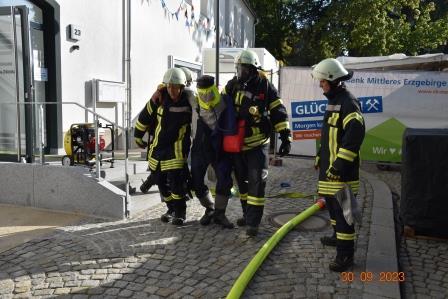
x=6 y=286
x=96 y=291
x=22 y=296
x=164 y=292
x=90 y=283
x=43 y=292
x=60 y=291
x=121 y=284
x=112 y=291
x=151 y=289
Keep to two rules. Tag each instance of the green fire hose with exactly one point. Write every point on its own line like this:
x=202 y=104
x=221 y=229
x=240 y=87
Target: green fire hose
x=240 y=284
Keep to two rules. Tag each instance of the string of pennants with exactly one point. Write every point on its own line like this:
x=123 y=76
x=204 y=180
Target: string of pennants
x=200 y=23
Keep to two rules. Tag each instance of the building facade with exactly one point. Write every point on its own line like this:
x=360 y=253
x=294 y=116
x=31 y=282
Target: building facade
x=71 y=55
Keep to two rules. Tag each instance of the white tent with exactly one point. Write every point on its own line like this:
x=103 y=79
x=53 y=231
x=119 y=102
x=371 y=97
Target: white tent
x=427 y=62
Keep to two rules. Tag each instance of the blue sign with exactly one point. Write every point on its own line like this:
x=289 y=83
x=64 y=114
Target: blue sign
x=371 y=104
x=306 y=125
x=308 y=108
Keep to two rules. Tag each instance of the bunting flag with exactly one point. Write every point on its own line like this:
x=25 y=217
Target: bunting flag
x=202 y=24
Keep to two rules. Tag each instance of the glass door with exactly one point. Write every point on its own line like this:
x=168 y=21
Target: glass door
x=16 y=139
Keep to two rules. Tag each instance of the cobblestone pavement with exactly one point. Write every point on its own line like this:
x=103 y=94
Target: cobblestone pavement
x=424 y=262
x=143 y=258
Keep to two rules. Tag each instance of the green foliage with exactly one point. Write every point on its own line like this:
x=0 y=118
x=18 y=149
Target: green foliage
x=302 y=32
x=276 y=29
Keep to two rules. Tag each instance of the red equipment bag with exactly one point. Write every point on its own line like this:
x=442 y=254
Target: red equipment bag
x=234 y=143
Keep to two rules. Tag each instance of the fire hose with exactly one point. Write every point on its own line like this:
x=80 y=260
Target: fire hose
x=240 y=284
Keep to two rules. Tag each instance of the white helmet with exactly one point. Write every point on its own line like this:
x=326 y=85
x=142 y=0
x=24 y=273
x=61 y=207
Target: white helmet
x=174 y=76
x=248 y=57
x=188 y=75
x=330 y=69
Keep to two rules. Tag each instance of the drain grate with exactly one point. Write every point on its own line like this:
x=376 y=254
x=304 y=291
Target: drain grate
x=316 y=222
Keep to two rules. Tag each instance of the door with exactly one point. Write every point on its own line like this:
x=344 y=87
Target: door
x=16 y=120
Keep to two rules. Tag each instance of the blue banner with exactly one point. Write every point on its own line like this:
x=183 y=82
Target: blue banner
x=308 y=108
x=306 y=125
x=372 y=104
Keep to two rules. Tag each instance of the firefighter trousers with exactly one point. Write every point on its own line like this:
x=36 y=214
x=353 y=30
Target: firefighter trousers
x=223 y=170
x=251 y=171
x=172 y=187
x=345 y=234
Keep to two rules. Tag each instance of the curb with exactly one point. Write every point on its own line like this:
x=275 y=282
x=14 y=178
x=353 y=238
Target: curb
x=382 y=249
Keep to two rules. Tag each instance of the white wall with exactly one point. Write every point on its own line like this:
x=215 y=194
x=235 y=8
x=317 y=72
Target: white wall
x=156 y=34
x=100 y=55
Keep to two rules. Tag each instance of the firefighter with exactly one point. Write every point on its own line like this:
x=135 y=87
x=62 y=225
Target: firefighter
x=259 y=106
x=169 y=150
x=207 y=150
x=338 y=158
x=201 y=192
x=151 y=179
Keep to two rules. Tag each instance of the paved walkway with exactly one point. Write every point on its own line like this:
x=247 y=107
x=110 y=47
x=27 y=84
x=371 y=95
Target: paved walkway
x=425 y=262
x=21 y=224
x=143 y=258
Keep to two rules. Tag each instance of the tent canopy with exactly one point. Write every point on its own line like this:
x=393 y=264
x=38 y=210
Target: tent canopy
x=427 y=62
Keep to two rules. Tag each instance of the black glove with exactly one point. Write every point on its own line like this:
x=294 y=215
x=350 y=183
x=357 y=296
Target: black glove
x=333 y=174
x=285 y=147
x=140 y=143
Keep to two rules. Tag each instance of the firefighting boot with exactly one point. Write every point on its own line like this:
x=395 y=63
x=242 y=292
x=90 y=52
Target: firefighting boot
x=180 y=211
x=242 y=221
x=221 y=202
x=252 y=231
x=147 y=184
x=207 y=203
x=169 y=213
x=220 y=218
x=341 y=263
x=329 y=240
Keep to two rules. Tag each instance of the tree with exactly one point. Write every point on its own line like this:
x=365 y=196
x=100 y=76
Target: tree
x=320 y=29
x=276 y=27
x=395 y=26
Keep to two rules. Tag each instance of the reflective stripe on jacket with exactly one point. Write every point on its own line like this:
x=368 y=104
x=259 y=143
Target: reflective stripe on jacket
x=343 y=131
x=171 y=143
x=271 y=113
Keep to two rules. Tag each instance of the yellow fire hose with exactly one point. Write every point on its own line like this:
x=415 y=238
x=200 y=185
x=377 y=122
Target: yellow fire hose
x=294 y=195
x=240 y=284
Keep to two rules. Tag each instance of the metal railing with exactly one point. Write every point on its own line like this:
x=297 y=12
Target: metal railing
x=97 y=117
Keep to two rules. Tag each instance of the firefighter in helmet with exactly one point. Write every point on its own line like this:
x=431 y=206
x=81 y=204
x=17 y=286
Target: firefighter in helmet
x=338 y=157
x=151 y=179
x=260 y=108
x=169 y=149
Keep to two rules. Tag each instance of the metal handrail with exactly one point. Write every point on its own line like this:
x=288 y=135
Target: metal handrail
x=58 y=103
x=96 y=117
